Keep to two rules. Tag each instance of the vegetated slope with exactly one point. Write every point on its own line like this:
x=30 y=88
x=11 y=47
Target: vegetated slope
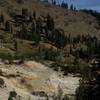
x=68 y=57
x=73 y=22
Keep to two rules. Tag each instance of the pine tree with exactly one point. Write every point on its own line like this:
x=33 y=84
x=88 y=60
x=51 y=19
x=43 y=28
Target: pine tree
x=24 y=12
x=89 y=88
x=33 y=26
x=54 y=2
x=33 y=31
x=15 y=45
x=38 y=29
x=23 y=32
x=8 y=26
x=64 y=5
x=19 y=1
x=1 y=18
x=34 y=15
x=50 y=23
x=71 y=7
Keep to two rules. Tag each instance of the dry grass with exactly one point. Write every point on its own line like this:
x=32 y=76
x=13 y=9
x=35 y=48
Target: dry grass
x=72 y=22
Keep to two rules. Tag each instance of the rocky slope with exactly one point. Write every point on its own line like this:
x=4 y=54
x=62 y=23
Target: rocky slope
x=34 y=80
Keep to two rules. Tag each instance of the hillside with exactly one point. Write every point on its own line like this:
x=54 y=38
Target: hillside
x=48 y=52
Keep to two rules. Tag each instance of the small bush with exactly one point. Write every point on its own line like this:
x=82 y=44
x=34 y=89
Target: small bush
x=13 y=94
x=65 y=97
x=1 y=73
x=1 y=82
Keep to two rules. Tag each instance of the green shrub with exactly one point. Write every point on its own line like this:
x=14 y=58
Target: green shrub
x=2 y=83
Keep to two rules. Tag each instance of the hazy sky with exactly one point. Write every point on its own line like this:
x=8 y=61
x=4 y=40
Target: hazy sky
x=90 y=4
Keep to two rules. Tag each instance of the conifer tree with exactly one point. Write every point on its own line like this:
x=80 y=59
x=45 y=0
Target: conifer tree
x=1 y=18
x=89 y=88
x=8 y=26
x=34 y=15
x=15 y=45
x=50 y=23
x=71 y=7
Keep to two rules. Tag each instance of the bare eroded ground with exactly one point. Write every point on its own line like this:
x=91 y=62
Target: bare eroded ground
x=33 y=76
